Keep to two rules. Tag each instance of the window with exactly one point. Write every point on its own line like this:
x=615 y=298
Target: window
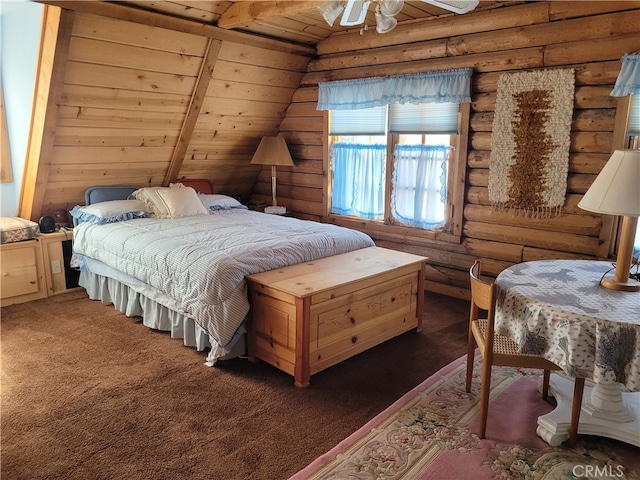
x=633 y=142
x=397 y=149
x=626 y=132
x=393 y=163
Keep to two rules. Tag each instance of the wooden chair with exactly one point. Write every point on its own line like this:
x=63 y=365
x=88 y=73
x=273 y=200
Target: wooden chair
x=500 y=350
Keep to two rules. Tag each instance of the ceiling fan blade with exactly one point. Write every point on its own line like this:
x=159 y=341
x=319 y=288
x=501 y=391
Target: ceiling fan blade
x=355 y=12
x=456 y=6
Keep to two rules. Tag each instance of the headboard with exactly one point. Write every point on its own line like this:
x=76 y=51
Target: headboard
x=103 y=194
x=200 y=185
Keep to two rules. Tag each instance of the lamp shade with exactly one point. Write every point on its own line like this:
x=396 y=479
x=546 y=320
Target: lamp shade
x=390 y=8
x=272 y=151
x=616 y=189
x=331 y=10
x=385 y=24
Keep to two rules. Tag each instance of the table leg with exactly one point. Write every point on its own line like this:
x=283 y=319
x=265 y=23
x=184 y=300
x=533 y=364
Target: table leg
x=607 y=411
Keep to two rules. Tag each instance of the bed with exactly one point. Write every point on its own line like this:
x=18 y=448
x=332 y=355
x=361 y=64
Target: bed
x=178 y=257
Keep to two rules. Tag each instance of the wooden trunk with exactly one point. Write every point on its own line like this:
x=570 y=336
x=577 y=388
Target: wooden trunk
x=310 y=316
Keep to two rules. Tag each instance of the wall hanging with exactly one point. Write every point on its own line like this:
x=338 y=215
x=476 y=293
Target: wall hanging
x=530 y=141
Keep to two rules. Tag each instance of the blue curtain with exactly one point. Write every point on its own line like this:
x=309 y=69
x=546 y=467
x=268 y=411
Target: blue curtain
x=628 y=81
x=419 y=194
x=453 y=86
x=358 y=176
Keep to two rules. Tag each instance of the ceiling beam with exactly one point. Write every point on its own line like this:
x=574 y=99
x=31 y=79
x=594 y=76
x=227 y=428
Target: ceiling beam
x=127 y=13
x=243 y=13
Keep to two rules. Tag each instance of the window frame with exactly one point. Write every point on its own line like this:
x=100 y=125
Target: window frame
x=456 y=182
x=612 y=224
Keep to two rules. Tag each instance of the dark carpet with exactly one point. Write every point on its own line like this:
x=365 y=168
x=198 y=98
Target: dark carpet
x=88 y=393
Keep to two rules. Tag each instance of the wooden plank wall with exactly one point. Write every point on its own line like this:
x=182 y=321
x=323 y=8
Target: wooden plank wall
x=588 y=36
x=136 y=104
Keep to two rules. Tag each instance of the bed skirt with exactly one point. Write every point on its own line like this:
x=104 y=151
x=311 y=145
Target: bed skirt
x=159 y=317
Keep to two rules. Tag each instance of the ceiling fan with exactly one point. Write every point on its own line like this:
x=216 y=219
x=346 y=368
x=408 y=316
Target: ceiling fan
x=354 y=12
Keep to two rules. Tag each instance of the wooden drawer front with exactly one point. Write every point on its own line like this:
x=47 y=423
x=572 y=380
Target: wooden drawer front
x=19 y=270
x=355 y=322
x=275 y=331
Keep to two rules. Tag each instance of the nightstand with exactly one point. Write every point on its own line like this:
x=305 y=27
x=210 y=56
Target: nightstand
x=22 y=277
x=56 y=253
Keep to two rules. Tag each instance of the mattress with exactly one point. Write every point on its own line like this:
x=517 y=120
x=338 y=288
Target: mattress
x=16 y=229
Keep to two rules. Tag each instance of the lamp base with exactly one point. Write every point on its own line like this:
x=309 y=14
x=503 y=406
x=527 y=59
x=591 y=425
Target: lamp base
x=612 y=284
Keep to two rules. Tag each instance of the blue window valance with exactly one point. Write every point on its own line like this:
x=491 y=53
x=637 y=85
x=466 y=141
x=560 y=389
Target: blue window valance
x=628 y=81
x=452 y=86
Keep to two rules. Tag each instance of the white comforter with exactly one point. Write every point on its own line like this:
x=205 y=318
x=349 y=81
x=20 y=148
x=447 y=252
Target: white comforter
x=199 y=263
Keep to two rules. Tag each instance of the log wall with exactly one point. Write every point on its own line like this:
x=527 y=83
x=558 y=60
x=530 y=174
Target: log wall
x=590 y=37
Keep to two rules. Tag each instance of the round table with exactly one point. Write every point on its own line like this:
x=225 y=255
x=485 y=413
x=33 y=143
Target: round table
x=557 y=309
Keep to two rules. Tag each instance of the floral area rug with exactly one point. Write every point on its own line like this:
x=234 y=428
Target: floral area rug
x=431 y=433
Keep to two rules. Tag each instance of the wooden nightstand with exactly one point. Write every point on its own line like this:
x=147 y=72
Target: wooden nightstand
x=56 y=253
x=22 y=276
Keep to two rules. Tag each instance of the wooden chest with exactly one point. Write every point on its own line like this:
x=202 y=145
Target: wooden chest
x=310 y=316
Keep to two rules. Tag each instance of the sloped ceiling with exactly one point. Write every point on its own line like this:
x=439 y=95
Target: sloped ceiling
x=297 y=21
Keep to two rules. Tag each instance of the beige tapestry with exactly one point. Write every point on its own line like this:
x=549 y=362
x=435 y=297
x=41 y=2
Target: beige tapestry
x=530 y=141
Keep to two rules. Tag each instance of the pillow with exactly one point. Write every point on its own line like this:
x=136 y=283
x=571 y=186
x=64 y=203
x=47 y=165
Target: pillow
x=181 y=202
x=150 y=197
x=110 y=211
x=217 y=200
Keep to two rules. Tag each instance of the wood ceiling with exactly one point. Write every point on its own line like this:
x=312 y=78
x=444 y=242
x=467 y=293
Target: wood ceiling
x=297 y=21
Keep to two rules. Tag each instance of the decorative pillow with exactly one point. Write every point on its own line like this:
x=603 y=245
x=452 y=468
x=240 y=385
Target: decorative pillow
x=110 y=211
x=218 y=200
x=181 y=202
x=150 y=197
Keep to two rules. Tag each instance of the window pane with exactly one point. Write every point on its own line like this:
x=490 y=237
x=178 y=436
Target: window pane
x=424 y=139
x=423 y=118
x=358 y=179
x=366 y=121
x=419 y=194
x=634 y=118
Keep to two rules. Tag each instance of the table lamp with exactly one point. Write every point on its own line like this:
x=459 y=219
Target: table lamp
x=272 y=151
x=616 y=191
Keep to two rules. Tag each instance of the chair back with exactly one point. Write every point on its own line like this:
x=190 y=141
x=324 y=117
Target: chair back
x=482 y=292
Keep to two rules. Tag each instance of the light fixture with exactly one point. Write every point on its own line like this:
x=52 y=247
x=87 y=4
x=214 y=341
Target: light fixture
x=330 y=11
x=385 y=24
x=272 y=151
x=354 y=12
x=615 y=191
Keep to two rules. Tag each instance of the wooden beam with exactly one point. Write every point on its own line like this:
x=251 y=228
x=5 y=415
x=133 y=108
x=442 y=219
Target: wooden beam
x=193 y=111
x=130 y=14
x=243 y=13
x=54 y=51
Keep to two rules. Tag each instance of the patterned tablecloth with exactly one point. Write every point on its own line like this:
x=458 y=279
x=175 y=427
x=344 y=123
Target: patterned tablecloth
x=557 y=309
